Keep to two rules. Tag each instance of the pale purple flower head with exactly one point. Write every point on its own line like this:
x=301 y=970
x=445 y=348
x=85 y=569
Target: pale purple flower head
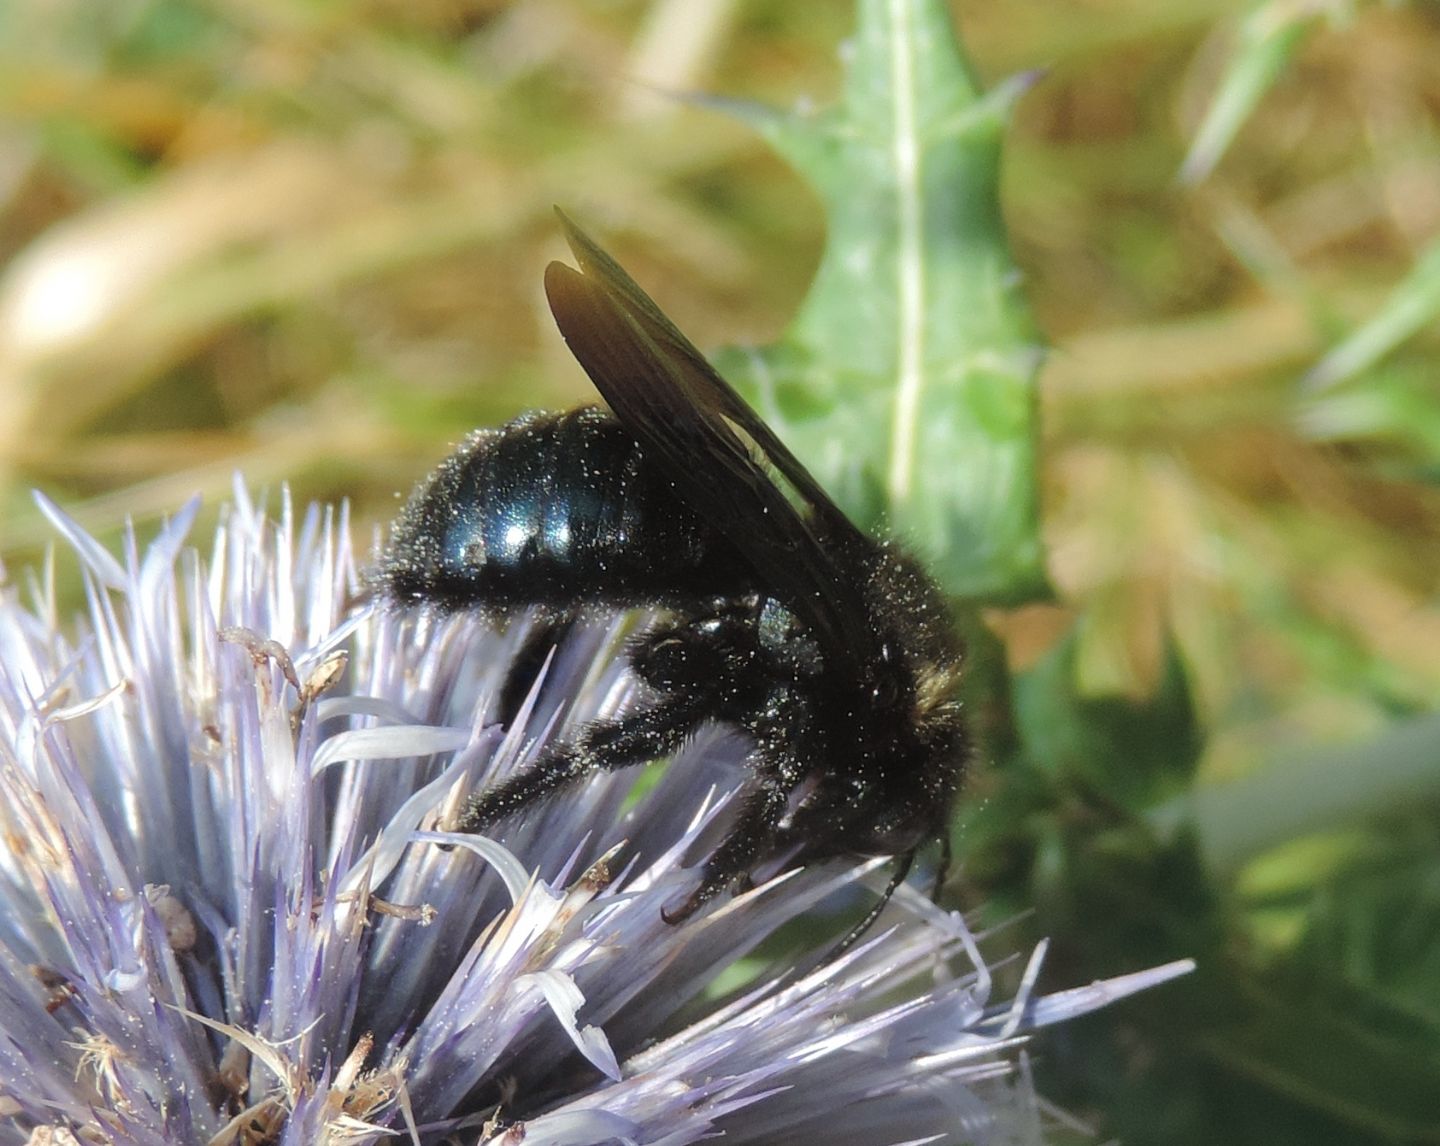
x=226 y=915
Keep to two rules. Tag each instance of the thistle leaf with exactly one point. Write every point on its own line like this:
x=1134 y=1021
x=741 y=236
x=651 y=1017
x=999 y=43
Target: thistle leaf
x=907 y=380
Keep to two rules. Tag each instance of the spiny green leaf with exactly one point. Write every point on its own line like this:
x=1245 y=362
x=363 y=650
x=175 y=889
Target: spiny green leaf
x=907 y=380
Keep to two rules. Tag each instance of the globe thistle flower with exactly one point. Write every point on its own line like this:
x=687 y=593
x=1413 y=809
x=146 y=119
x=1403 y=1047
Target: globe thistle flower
x=228 y=915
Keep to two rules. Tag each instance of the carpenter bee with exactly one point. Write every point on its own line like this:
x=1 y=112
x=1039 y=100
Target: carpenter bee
x=835 y=654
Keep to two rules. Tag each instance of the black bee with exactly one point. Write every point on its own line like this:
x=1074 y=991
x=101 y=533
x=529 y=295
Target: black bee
x=834 y=653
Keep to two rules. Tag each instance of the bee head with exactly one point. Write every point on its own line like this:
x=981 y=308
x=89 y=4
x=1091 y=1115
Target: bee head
x=890 y=780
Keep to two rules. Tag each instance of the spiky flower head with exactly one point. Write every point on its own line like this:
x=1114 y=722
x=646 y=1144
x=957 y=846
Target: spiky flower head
x=226 y=915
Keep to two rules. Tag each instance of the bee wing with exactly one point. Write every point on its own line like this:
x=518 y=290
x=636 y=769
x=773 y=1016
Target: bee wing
x=690 y=421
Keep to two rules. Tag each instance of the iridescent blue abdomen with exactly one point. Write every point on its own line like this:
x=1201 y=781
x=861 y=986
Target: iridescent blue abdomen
x=554 y=509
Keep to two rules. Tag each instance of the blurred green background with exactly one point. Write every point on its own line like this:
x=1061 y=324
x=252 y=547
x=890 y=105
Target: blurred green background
x=303 y=241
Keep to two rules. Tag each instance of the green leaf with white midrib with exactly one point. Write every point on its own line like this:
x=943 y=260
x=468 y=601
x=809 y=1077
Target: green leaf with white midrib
x=907 y=378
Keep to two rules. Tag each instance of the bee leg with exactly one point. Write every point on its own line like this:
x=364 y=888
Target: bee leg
x=750 y=836
x=602 y=746
x=544 y=636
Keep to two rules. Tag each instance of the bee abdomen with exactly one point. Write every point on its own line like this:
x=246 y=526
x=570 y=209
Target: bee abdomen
x=554 y=509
